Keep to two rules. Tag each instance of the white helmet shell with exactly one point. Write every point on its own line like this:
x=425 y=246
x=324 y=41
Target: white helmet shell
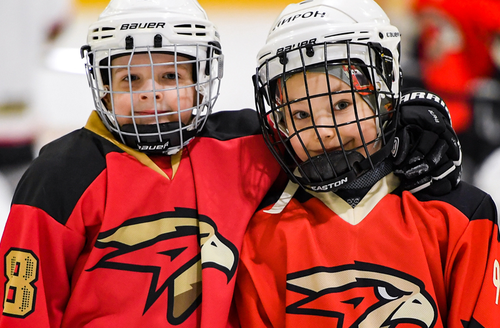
x=318 y=21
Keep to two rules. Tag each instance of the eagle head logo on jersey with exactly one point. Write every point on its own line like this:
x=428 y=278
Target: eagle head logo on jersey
x=361 y=295
x=189 y=240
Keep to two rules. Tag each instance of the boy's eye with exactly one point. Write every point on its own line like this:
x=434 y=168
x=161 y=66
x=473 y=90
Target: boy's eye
x=130 y=77
x=170 y=76
x=341 y=105
x=300 y=115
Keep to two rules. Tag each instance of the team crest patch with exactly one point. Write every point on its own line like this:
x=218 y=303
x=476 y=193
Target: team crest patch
x=361 y=295
x=130 y=249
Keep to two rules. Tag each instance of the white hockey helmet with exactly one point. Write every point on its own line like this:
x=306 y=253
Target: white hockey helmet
x=352 y=40
x=176 y=27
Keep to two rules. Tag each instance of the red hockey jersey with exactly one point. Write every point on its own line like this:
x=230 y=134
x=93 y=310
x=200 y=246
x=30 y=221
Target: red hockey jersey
x=100 y=236
x=394 y=260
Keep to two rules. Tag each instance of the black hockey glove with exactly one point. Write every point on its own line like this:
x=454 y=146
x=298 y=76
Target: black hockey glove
x=428 y=153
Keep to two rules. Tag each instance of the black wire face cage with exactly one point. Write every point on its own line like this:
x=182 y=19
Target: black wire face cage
x=367 y=81
x=160 y=130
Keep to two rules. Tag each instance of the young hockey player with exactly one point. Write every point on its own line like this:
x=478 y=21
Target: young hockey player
x=343 y=245
x=118 y=224
x=137 y=219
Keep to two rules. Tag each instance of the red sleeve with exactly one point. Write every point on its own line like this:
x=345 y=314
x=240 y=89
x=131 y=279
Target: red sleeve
x=474 y=277
x=260 y=285
x=36 y=248
x=471 y=269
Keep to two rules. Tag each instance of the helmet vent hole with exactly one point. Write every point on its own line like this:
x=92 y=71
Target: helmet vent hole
x=193 y=30
x=102 y=29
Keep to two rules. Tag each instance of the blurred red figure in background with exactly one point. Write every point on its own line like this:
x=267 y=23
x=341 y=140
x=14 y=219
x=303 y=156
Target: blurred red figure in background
x=458 y=52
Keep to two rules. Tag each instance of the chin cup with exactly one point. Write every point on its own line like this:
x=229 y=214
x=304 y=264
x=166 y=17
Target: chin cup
x=164 y=138
x=330 y=171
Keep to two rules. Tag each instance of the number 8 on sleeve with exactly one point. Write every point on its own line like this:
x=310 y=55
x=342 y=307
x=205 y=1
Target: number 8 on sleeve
x=21 y=271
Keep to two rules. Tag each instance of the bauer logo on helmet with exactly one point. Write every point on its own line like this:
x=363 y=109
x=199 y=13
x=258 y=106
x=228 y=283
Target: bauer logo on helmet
x=134 y=26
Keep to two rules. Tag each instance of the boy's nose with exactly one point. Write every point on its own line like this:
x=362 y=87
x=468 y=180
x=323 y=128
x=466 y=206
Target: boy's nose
x=325 y=127
x=150 y=90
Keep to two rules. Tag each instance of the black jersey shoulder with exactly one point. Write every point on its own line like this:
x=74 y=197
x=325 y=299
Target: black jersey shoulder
x=231 y=124
x=274 y=193
x=62 y=172
x=470 y=200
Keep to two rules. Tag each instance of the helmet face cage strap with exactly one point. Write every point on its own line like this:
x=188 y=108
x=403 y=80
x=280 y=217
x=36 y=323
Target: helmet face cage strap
x=162 y=135
x=329 y=170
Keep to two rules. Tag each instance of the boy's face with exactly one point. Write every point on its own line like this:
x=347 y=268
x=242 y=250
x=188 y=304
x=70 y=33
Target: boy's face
x=343 y=109
x=142 y=80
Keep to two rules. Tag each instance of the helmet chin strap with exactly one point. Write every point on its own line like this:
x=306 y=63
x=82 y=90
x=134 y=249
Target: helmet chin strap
x=160 y=141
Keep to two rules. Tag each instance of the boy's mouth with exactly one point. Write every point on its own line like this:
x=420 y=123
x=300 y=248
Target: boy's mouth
x=150 y=112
